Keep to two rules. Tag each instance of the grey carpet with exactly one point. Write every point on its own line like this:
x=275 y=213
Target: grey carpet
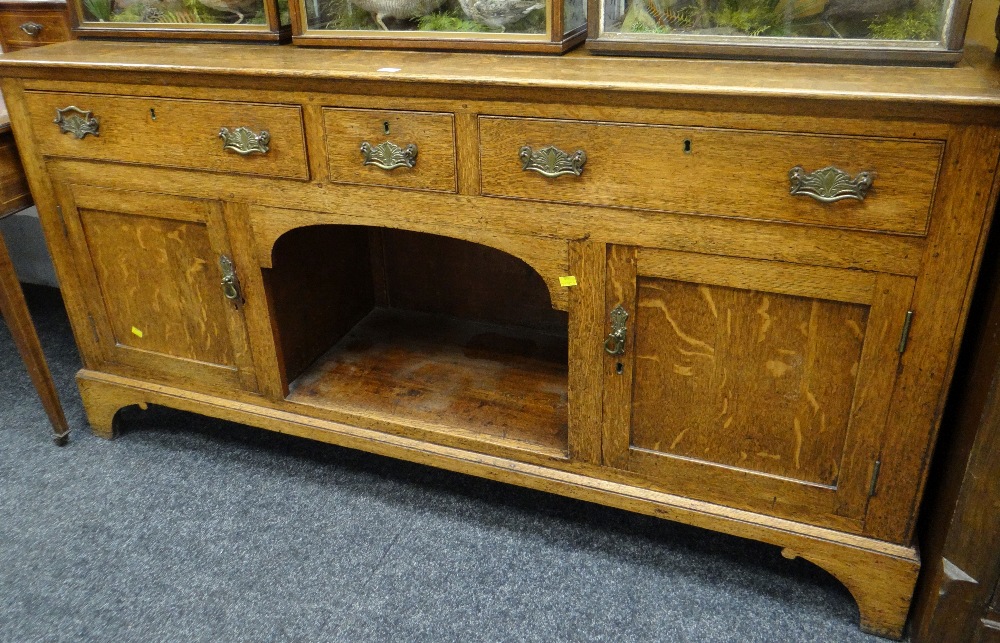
x=192 y=529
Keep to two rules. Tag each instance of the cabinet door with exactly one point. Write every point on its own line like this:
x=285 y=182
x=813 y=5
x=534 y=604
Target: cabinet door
x=151 y=266
x=753 y=384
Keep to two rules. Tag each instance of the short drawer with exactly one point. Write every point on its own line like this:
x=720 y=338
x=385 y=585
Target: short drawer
x=392 y=148
x=241 y=138
x=733 y=173
x=34 y=28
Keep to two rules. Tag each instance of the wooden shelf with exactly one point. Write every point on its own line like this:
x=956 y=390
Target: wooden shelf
x=497 y=383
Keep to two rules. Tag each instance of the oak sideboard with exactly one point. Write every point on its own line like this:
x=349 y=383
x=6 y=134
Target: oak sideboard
x=728 y=294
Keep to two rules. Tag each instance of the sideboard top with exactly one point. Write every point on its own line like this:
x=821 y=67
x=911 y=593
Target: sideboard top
x=973 y=82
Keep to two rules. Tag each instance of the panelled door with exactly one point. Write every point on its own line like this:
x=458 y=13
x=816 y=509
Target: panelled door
x=753 y=384
x=153 y=268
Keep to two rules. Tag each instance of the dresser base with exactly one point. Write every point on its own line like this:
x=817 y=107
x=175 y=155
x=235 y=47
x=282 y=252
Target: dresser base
x=881 y=576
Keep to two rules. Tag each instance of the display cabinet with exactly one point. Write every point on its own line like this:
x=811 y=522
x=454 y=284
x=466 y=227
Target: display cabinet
x=874 y=31
x=532 y=26
x=207 y=20
x=717 y=293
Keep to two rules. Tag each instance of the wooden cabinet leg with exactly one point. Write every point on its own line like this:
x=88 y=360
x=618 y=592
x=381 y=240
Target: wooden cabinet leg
x=882 y=586
x=15 y=312
x=102 y=404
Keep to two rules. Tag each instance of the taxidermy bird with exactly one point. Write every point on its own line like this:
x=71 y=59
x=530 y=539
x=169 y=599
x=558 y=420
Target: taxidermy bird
x=499 y=13
x=397 y=8
x=241 y=8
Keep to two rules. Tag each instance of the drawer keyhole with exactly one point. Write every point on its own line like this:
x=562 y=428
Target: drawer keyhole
x=152 y=113
x=385 y=128
x=687 y=146
x=619 y=368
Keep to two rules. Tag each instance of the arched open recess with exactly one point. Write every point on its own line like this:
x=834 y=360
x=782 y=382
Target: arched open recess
x=549 y=257
x=424 y=329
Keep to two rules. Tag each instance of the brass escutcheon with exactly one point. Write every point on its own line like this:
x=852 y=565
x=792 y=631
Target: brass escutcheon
x=551 y=161
x=388 y=155
x=829 y=184
x=76 y=121
x=615 y=342
x=244 y=141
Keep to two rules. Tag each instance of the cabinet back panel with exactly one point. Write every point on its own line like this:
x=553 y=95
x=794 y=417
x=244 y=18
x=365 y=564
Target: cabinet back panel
x=166 y=291
x=431 y=273
x=756 y=381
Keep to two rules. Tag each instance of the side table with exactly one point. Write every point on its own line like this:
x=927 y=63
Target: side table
x=15 y=196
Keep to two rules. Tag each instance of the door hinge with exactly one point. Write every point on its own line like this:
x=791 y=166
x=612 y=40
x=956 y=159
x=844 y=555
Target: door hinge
x=906 y=331
x=875 y=471
x=62 y=220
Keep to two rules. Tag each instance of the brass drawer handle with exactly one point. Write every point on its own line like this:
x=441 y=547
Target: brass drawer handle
x=829 y=184
x=388 y=155
x=243 y=141
x=31 y=28
x=551 y=161
x=615 y=343
x=76 y=121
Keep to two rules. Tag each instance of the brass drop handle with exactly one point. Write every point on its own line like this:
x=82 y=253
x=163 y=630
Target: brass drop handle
x=31 y=28
x=829 y=184
x=615 y=343
x=388 y=155
x=244 y=141
x=230 y=282
x=76 y=121
x=551 y=161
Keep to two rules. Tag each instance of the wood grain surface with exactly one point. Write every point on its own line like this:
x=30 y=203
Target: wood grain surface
x=178 y=133
x=458 y=317
x=433 y=134
x=969 y=84
x=472 y=377
x=744 y=174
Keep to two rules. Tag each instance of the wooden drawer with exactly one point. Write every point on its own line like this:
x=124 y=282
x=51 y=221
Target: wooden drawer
x=53 y=28
x=174 y=133
x=733 y=173
x=432 y=134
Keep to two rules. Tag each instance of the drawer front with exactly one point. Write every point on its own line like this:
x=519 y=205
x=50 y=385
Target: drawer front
x=733 y=173
x=372 y=147
x=174 y=133
x=33 y=28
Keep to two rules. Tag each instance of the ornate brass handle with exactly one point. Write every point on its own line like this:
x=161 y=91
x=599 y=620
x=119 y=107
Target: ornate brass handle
x=829 y=184
x=551 y=161
x=615 y=343
x=76 y=121
x=243 y=141
x=388 y=155
x=230 y=283
x=31 y=28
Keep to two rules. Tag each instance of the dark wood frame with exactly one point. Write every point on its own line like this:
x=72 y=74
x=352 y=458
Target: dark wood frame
x=270 y=32
x=555 y=41
x=949 y=53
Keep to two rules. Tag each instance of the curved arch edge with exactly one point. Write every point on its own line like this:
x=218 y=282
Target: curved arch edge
x=548 y=256
x=102 y=405
x=882 y=584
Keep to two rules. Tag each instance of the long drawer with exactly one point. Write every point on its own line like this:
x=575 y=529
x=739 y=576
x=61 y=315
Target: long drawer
x=208 y=135
x=734 y=173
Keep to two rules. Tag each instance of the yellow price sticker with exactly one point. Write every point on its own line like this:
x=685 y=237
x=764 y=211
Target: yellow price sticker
x=567 y=281
x=137 y=332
